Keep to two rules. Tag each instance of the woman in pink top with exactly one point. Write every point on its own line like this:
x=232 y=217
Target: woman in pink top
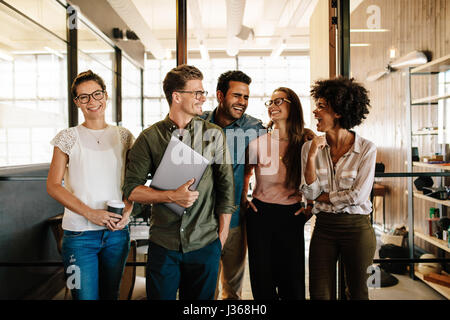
x=275 y=216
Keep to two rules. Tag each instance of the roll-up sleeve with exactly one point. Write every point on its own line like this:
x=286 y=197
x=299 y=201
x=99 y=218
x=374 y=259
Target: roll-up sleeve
x=313 y=190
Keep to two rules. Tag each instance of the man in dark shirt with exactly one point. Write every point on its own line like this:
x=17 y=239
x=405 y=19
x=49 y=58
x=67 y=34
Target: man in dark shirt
x=240 y=128
x=184 y=251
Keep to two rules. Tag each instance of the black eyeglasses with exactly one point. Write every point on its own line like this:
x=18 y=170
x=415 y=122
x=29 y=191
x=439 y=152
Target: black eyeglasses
x=277 y=102
x=85 y=98
x=198 y=94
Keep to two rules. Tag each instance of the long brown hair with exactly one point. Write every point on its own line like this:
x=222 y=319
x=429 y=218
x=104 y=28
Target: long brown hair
x=295 y=128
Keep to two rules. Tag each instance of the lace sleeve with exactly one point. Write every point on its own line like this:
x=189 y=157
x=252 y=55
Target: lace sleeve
x=126 y=137
x=65 y=140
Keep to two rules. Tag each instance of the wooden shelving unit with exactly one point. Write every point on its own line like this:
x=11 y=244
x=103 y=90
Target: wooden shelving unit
x=431 y=165
x=430 y=199
x=441 y=289
x=433 y=68
x=438 y=65
x=430 y=99
x=425 y=132
x=433 y=240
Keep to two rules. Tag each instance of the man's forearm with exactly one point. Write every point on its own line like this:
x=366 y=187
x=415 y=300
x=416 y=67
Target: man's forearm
x=147 y=195
x=224 y=227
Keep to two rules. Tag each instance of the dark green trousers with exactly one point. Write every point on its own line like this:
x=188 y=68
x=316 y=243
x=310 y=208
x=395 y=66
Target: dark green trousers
x=348 y=235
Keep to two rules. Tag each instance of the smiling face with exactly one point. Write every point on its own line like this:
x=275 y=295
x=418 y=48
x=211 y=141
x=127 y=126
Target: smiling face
x=235 y=102
x=189 y=104
x=325 y=116
x=93 y=109
x=281 y=112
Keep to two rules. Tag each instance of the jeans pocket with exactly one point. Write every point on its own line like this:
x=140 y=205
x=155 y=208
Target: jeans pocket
x=72 y=234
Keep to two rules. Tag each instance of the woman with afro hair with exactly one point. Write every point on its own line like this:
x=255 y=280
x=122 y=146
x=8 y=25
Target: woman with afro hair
x=338 y=173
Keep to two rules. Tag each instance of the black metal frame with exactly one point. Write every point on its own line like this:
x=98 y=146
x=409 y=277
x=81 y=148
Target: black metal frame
x=343 y=43
x=72 y=68
x=343 y=66
x=118 y=83
x=181 y=32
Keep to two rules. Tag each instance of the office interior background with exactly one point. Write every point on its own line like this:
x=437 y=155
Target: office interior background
x=132 y=44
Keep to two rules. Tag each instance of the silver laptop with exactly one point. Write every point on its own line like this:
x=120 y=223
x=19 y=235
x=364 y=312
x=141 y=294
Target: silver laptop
x=179 y=164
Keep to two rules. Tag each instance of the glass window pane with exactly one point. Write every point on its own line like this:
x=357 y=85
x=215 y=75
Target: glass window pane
x=48 y=13
x=131 y=97
x=95 y=54
x=33 y=94
x=292 y=72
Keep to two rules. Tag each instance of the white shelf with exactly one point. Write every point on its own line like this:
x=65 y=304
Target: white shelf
x=433 y=240
x=425 y=132
x=430 y=99
x=435 y=166
x=438 y=65
x=445 y=291
x=424 y=197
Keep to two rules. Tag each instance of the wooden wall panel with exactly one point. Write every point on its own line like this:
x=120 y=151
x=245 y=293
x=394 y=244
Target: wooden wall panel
x=413 y=25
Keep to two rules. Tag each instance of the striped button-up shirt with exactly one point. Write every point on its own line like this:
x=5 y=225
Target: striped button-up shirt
x=348 y=183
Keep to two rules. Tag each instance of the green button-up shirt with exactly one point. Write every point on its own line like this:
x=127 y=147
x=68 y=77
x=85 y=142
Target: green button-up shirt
x=198 y=226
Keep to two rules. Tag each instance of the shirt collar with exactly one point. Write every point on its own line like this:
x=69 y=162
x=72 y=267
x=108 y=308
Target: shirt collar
x=239 y=122
x=172 y=126
x=356 y=145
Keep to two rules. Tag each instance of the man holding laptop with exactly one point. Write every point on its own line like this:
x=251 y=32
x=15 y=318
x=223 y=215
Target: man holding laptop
x=184 y=250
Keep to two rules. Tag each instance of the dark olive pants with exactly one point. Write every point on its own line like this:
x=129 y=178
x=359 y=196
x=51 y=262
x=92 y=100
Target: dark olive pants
x=348 y=235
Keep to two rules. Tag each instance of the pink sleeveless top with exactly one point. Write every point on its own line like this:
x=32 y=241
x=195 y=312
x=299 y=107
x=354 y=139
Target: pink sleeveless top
x=270 y=173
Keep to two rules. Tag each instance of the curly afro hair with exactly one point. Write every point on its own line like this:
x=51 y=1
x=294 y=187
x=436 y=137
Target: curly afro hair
x=347 y=97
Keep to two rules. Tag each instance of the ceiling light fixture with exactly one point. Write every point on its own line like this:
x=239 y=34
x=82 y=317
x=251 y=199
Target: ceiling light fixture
x=359 y=44
x=53 y=51
x=277 y=52
x=392 y=53
x=204 y=51
x=369 y=30
x=5 y=56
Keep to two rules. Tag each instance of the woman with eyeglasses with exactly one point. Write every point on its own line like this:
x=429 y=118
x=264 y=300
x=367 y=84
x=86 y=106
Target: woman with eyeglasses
x=276 y=215
x=338 y=169
x=91 y=159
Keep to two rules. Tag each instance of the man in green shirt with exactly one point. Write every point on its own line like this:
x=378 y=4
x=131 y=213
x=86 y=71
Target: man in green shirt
x=184 y=251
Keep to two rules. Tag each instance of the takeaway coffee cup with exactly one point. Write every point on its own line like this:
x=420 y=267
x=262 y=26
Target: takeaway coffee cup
x=115 y=206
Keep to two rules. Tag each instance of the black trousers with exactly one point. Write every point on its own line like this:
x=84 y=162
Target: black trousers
x=276 y=251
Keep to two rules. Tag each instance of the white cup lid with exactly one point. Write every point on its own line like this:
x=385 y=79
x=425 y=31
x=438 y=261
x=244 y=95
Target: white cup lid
x=115 y=204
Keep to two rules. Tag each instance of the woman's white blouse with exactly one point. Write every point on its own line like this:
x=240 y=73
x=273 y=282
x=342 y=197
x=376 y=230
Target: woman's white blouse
x=349 y=183
x=95 y=171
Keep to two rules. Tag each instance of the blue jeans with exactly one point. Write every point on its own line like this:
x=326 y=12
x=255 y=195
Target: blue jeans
x=194 y=273
x=94 y=262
